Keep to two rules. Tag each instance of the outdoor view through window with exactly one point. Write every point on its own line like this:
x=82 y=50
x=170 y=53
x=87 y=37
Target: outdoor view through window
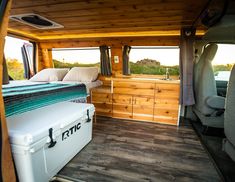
x=154 y=60
x=13 y=55
x=223 y=61
x=78 y=57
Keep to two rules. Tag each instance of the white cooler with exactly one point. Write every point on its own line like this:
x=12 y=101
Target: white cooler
x=45 y=139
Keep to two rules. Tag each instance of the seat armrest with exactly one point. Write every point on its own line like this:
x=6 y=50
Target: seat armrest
x=216 y=102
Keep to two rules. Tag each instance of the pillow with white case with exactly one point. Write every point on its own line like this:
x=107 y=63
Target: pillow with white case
x=50 y=74
x=82 y=74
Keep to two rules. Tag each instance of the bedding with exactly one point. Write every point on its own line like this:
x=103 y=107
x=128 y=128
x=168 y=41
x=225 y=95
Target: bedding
x=82 y=74
x=89 y=85
x=19 y=99
x=50 y=74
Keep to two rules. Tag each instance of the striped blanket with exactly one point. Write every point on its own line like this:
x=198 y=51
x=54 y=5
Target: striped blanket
x=21 y=99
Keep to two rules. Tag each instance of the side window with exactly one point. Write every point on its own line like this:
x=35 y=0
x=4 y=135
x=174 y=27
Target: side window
x=76 y=57
x=14 y=54
x=223 y=61
x=158 y=61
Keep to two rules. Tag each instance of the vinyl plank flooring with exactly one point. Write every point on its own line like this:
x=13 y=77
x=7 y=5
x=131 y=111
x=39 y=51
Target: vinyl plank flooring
x=131 y=151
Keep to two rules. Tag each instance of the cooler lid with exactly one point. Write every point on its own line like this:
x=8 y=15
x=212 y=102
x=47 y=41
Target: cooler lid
x=29 y=127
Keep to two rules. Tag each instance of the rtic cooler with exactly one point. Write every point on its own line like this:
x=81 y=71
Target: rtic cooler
x=45 y=139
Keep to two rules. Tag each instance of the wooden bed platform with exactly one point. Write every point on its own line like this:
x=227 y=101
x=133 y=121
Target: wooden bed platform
x=123 y=150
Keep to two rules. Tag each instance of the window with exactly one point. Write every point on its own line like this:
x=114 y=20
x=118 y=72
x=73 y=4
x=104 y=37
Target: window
x=155 y=60
x=14 y=58
x=78 y=57
x=223 y=61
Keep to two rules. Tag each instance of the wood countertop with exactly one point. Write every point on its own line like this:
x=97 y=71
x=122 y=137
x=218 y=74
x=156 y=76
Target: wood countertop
x=144 y=80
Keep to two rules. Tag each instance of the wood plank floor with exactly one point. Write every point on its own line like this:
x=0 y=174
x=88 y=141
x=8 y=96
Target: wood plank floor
x=123 y=150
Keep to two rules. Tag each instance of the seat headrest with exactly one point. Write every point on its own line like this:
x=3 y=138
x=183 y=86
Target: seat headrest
x=210 y=51
x=198 y=47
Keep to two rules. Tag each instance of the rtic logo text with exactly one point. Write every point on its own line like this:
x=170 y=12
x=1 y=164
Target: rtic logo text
x=70 y=131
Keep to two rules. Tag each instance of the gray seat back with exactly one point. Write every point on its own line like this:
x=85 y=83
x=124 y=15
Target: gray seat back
x=229 y=114
x=204 y=80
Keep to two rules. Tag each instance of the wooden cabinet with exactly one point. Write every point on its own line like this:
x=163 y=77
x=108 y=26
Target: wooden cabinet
x=122 y=106
x=155 y=101
x=133 y=100
x=102 y=99
x=143 y=108
x=166 y=104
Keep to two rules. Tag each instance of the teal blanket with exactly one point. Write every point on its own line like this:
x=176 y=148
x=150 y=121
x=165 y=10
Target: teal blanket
x=26 y=98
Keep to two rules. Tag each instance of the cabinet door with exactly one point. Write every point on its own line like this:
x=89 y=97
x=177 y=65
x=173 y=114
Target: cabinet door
x=143 y=108
x=102 y=103
x=166 y=105
x=122 y=106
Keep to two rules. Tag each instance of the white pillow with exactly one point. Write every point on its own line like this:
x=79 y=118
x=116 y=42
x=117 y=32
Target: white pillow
x=82 y=74
x=50 y=74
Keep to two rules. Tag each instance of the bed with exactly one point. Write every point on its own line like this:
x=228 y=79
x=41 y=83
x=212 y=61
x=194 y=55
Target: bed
x=48 y=87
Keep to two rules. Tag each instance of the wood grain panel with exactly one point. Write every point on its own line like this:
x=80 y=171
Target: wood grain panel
x=143 y=108
x=143 y=100
x=166 y=105
x=133 y=88
x=119 y=41
x=122 y=111
x=103 y=109
x=133 y=91
x=122 y=106
x=95 y=18
x=169 y=112
x=122 y=99
x=116 y=51
x=165 y=120
x=7 y=166
x=102 y=99
x=143 y=113
x=170 y=91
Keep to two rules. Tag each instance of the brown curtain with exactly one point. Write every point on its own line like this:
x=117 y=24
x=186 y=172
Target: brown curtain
x=105 y=64
x=186 y=66
x=125 y=62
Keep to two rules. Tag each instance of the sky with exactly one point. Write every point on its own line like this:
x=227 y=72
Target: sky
x=169 y=57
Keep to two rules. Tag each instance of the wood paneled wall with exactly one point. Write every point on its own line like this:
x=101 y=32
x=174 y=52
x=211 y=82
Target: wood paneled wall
x=116 y=44
x=7 y=167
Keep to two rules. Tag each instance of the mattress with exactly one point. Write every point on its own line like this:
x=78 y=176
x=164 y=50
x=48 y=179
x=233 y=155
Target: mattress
x=23 y=98
x=16 y=83
x=89 y=85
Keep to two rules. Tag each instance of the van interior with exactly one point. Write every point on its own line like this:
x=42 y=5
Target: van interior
x=105 y=90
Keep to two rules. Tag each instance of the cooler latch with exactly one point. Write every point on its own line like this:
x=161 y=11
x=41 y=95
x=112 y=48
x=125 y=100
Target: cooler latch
x=88 y=116
x=52 y=142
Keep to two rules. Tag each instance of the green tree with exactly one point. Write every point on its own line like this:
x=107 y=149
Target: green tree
x=15 y=69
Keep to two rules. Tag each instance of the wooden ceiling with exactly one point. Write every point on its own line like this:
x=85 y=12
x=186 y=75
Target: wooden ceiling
x=108 y=18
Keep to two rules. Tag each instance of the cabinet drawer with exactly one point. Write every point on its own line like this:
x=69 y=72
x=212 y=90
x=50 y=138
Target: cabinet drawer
x=133 y=85
x=167 y=90
x=122 y=111
x=122 y=99
x=103 y=109
x=165 y=120
x=101 y=97
x=166 y=112
x=146 y=101
x=166 y=102
x=133 y=88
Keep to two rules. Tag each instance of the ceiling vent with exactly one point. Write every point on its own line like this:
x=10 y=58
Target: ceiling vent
x=36 y=21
